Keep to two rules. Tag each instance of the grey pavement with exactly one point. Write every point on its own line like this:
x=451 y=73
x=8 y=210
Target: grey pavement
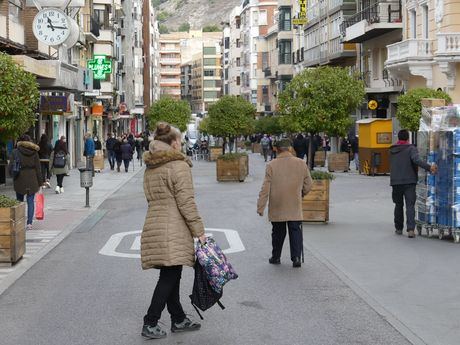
x=63 y=213
x=75 y=295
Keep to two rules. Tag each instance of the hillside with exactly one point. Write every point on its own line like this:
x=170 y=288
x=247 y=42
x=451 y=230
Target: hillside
x=198 y=13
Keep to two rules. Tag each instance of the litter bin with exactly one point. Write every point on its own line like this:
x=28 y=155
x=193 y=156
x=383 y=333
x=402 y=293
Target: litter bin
x=86 y=181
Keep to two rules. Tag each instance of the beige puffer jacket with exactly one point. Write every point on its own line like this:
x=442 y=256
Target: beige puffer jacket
x=172 y=218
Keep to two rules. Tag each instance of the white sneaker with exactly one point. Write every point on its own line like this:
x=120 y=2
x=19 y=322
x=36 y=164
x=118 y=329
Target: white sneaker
x=62 y=190
x=57 y=190
x=29 y=227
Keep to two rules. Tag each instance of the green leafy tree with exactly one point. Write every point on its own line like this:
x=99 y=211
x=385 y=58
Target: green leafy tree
x=163 y=16
x=269 y=125
x=410 y=106
x=163 y=29
x=19 y=98
x=231 y=117
x=184 y=27
x=321 y=100
x=212 y=28
x=175 y=112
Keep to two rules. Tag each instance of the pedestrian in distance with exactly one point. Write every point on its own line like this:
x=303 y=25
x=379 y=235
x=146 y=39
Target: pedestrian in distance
x=355 y=151
x=97 y=143
x=300 y=145
x=60 y=164
x=404 y=160
x=44 y=154
x=287 y=180
x=110 y=145
x=118 y=154
x=171 y=223
x=25 y=169
x=265 y=144
x=126 y=153
x=89 y=151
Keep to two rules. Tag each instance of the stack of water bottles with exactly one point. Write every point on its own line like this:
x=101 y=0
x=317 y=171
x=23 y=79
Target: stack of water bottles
x=438 y=196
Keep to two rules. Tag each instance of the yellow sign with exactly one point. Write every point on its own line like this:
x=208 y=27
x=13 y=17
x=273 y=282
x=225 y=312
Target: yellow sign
x=373 y=104
x=299 y=21
x=303 y=8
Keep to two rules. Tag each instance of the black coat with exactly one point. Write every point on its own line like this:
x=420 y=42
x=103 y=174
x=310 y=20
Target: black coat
x=404 y=161
x=29 y=179
x=126 y=151
x=300 y=146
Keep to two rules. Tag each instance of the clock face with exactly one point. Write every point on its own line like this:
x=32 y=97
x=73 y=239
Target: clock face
x=51 y=26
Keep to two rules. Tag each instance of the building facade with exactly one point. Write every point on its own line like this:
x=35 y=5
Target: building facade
x=232 y=45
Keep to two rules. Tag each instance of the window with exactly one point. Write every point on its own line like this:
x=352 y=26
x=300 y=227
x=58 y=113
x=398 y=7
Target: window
x=211 y=94
x=255 y=18
x=263 y=17
x=238 y=62
x=413 y=24
x=209 y=73
x=238 y=43
x=284 y=22
x=209 y=83
x=212 y=50
x=209 y=62
x=265 y=63
x=226 y=74
x=238 y=22
x=238 y=80
x=102 y=18
x=15 y=11
x=284 y=47
x=425 y=20
x=226 y=43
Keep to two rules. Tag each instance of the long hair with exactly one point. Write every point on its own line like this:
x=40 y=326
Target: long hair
x=61 y=146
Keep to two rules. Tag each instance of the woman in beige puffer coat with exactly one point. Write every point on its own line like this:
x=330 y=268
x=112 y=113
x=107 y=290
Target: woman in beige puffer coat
x=171 y=223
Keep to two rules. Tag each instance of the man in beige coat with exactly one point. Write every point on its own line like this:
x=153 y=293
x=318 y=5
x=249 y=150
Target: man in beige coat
x=287 y=179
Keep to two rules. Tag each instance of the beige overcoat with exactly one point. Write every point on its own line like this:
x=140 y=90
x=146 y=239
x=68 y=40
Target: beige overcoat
x=172 y=218
x=287 y=179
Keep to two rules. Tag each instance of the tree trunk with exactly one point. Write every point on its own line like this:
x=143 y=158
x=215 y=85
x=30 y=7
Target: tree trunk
x=223 y=145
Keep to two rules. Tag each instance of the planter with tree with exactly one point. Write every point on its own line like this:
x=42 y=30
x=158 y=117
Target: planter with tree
x=19 y=98
x=315 y=205
x=320 y=100
x=231 y=117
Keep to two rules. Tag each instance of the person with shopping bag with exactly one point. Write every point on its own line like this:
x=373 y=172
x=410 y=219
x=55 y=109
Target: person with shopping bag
x=171 y=223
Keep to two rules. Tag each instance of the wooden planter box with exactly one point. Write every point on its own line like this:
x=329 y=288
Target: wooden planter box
x=338 y=162
x=214 y=152
x=12 y=233
x=232 y=170
x=315 y=205
x=256 y=148
x=320 y=158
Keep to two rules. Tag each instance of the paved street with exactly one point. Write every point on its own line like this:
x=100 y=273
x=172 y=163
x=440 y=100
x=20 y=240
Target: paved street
x=77 y=296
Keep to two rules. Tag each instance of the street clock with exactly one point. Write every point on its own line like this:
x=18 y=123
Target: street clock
x=51 y=26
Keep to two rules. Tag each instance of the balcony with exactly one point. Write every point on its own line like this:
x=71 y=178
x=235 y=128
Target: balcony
x=449 y=44
x=376 y=20
x=411 y=49
x=170 y=71
x=172 y=81
x=90 y=28
x=170 y=61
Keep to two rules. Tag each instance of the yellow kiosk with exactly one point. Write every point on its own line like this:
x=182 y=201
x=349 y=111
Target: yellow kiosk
x=375 y=138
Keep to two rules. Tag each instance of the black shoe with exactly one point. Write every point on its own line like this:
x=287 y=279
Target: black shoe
x=153 y=332
x=398 y=232
x=296 y=262
x=185 y=326
x=274 y=261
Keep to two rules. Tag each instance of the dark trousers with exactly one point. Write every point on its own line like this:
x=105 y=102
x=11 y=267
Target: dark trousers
x=265 y=153
x=166 y=294
x=60 y=179
x=404 y=193
x=111 y=154
x=46 y=175
x=295 y=238
x=126 y=163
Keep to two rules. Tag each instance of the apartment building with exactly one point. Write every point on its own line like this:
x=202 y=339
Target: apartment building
x=170 y=64
x=429 y=54
x=320 y=38
x=186 y=82
x=206 y=77
x=232 y=45
x=377 y=23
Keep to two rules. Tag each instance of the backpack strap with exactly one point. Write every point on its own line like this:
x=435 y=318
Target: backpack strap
x=220 y=305
x=198 y=312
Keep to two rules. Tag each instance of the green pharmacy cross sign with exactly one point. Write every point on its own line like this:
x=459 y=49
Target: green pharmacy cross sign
x=100 y=66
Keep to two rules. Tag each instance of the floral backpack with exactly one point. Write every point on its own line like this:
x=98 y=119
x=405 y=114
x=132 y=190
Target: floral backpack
x=214 y=262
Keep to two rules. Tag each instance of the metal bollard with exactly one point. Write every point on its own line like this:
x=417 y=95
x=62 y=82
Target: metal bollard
x=86 y=181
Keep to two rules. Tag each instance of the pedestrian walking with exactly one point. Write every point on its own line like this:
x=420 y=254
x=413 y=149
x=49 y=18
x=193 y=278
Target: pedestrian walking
x=355 y=151
x=171 y=222
x=44 y=154
x=404 y=160
x=25 y=169
x=97 y=143
x=126 y=153
x=118 y=154
x=300 y=145
x=265 y=144
x=110 y=145
x=287 y=179
x=89 y=152
x=60 y=164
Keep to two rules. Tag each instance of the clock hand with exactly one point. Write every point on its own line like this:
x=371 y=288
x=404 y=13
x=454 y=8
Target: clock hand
x=50 y=24
x=60 y=27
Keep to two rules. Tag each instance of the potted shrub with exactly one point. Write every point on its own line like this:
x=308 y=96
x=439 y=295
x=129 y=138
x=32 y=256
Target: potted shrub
x=315 y=205
x=232 y=167
x=12 y=230
x=231 y=117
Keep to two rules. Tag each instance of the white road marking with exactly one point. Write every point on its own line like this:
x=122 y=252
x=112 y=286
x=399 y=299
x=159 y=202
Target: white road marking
x=110 y=248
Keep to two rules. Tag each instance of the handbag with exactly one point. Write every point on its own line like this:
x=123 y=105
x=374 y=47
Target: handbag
x=40 y=205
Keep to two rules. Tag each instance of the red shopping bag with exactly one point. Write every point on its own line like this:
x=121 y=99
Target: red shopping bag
x=40 y=206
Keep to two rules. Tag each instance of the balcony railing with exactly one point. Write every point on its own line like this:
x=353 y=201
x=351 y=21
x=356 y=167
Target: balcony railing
x=380 y=12
x=90 y=25
x=169 y=81
x=410 y=49
x=449 y=43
